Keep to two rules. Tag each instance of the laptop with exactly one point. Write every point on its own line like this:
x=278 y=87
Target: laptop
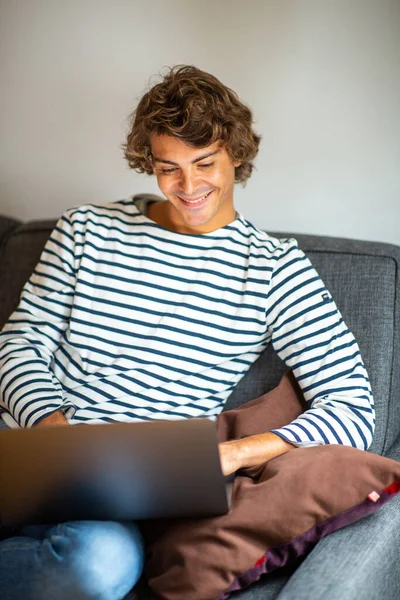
x=119 y=471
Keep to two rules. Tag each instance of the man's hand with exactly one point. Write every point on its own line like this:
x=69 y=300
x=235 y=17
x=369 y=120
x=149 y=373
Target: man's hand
x=56 y=418
x=251 y=451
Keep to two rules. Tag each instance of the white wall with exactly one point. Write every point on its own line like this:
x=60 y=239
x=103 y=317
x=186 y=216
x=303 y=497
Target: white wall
x=323 y=79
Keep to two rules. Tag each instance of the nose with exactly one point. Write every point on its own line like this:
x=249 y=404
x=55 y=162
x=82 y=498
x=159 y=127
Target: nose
x=188 y=183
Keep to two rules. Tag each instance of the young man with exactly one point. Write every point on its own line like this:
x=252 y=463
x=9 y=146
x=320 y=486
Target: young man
x=155 y=310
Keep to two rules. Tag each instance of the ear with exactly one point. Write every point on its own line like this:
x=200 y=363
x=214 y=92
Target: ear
x=236 y=163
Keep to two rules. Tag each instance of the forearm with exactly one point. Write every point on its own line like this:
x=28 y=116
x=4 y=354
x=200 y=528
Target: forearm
x=257 y=449
x=251 y=451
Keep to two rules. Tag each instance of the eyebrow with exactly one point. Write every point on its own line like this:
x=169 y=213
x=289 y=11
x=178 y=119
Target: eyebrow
x=196 y=160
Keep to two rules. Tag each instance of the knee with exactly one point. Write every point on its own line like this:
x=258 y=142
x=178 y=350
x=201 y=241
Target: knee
x=93 y=560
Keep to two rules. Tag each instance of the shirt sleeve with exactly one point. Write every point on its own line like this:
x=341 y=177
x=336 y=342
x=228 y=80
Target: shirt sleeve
x=29 y=391
x=310 y=336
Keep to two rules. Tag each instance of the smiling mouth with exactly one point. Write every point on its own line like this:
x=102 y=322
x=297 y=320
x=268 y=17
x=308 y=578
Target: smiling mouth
x=197 y=202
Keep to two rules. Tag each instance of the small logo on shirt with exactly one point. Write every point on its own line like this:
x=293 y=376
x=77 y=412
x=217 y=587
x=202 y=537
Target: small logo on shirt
x=325 y=297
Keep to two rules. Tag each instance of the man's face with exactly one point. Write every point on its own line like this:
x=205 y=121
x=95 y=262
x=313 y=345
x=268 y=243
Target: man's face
x=198 y=182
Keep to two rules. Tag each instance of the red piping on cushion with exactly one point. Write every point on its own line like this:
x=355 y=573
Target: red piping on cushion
x=394 y=488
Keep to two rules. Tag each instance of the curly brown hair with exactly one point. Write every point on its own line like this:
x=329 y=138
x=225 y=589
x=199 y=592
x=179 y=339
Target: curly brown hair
x=196 y=107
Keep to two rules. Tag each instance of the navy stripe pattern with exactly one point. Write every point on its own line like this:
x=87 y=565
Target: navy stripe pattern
x=124 y=320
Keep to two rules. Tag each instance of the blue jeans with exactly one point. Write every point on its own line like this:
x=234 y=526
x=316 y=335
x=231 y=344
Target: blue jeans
x=81 y=560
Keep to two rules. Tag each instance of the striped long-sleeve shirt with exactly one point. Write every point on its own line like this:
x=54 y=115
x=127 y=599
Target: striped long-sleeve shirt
x=124 y=320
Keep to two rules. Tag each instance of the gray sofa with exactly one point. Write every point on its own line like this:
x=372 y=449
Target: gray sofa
x=363 y=278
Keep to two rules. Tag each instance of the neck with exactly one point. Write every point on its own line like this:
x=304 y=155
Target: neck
x=165 y=214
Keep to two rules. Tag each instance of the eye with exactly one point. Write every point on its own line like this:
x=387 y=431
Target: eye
x=205 y=166
x=166 y=171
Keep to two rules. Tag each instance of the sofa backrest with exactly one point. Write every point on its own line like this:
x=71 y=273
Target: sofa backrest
x=363 y=278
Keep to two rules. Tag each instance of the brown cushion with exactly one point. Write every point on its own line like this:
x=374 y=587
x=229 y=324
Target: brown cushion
x=279 y=511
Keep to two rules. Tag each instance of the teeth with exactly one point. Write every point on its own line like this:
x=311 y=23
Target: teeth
x=199 y=200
